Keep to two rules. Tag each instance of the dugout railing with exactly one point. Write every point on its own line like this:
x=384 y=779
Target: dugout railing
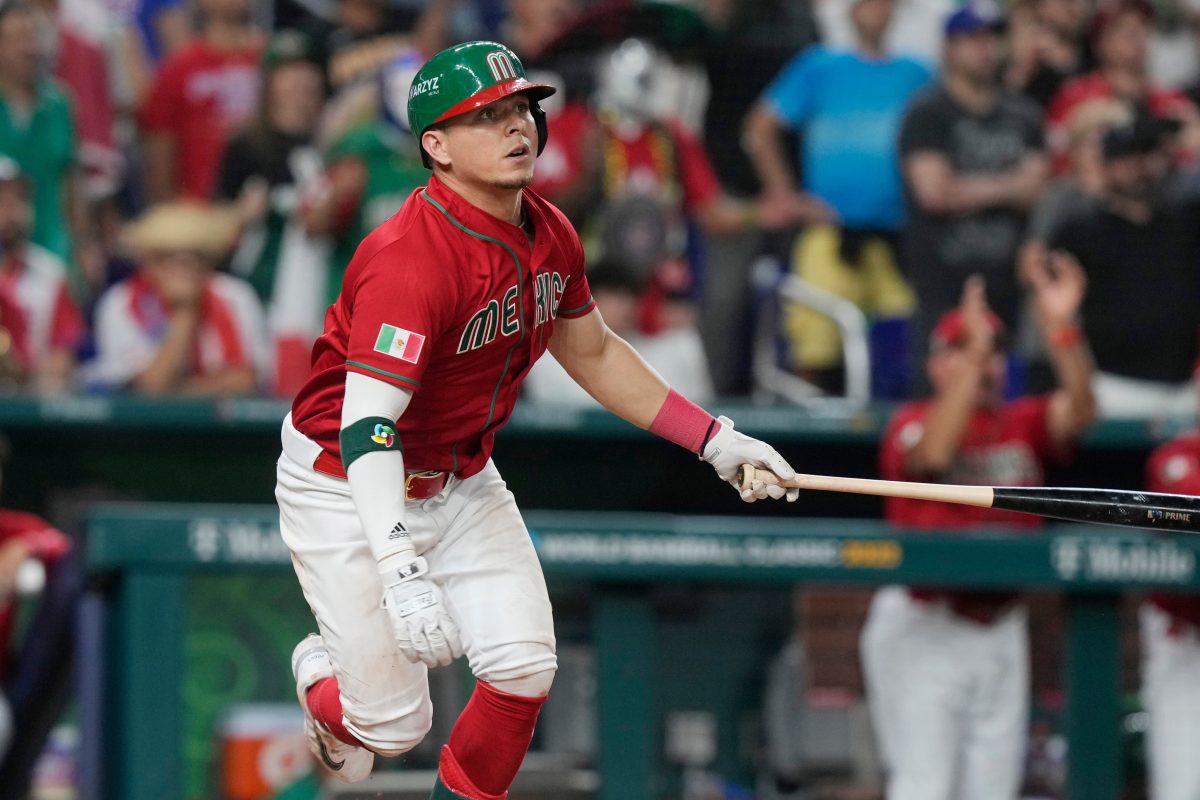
x=143 y=557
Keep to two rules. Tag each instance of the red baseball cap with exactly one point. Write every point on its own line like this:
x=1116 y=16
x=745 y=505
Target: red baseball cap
x=951 y=329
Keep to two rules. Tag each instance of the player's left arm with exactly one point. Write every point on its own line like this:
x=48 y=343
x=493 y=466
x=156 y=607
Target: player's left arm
x=613 y=373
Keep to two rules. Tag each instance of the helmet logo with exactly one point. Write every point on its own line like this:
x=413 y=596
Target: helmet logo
x=501 y=66
x=429 y=85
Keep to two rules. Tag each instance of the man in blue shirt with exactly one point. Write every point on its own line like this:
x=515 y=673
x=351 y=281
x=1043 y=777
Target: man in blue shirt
x=847 y=107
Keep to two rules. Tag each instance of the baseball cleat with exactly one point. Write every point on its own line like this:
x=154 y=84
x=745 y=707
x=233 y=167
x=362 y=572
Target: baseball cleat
x=349 y=764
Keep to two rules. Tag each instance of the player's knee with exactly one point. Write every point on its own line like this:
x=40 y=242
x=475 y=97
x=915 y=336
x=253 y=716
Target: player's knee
x=522 y=668
x=393 y=735
x=535 y=685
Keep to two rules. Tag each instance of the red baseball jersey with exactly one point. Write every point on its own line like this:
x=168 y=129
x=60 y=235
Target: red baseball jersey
x=1005 y=446
x=454 y=305
x=45 y=543
x=1175 y=468
x=202 y=96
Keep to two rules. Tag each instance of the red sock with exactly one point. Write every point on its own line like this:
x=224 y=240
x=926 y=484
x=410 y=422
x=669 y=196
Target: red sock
x=325 y=703
x=454 y=779
x=490 y=739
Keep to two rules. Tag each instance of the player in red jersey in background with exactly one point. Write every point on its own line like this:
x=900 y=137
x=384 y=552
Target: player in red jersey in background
x=947 y=672
x=35 y=668
x=1170 y=630
x=409 y=547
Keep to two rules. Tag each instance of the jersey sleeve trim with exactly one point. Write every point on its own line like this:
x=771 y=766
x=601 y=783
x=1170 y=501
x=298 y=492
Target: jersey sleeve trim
x=385 y=373
x=578 y=312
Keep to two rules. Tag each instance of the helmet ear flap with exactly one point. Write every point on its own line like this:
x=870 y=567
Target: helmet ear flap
x=539 y=119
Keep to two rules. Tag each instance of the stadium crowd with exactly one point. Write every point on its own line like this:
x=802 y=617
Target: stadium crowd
x=1008 y=195
x=182 y=184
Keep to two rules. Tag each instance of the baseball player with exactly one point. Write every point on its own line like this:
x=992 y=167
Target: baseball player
x=1170 y=631
x=947 y=671
x=407 y=544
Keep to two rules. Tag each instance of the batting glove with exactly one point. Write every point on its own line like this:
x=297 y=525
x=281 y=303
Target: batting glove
x=728 y=449
x=424 y=630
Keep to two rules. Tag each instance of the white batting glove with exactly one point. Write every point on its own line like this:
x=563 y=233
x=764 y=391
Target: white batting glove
x=423 y=628
x=728 y=449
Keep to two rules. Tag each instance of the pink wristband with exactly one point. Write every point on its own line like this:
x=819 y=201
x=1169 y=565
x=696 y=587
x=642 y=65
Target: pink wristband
x=681 y=421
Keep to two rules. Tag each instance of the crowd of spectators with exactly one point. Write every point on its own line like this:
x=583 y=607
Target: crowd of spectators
x=884 y=153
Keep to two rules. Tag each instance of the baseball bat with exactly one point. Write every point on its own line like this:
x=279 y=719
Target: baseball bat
x=1172 y=512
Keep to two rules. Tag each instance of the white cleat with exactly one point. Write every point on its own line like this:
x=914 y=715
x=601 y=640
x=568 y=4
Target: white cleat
x=349 y=764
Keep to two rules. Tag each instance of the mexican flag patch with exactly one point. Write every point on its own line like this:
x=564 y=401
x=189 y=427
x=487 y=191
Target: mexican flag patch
x=399 y=343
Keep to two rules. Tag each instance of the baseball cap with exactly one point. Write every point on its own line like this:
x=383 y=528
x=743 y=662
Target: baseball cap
x=951 y=329
x=973 y=18
x=289 y=45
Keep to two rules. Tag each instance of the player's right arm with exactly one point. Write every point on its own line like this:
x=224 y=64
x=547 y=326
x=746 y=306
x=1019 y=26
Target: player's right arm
x=945 y=425
x=612 y=372
x=373 y=457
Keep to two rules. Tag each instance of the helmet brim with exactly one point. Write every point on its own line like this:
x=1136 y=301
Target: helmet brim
x=536 y=92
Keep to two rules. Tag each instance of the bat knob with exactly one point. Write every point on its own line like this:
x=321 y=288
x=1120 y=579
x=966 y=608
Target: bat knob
x=745 y=476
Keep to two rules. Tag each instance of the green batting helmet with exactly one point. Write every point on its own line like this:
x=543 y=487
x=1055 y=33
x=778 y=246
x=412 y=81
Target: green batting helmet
x=469 y=76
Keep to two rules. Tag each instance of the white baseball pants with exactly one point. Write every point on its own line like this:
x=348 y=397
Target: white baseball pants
x=478 y=550
x=949 y=698
x=1171 y=694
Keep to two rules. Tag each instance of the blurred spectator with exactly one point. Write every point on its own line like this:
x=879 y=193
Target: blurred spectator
x=947 y=671
x=632 y=178
x=973 y=166
x=81 y=62
x=366 y=35
x=43 y=322
x=1076 y=190
x=163 y=26
x=1170 y=634
x=1067 y=196
x=1119 y=35
x=674 y=354
x=37 y=130
x=1172 y=57
x=532 y=24
x=369 y=172
x=1046 y=46
x=1192 y=11
x=847 y=107
x=915 y=32
x=1140 y=250
x=760 y=37
x=177 y=326
x=35 y=668
x=260 y=165
x=205 y=91
x=14 y=349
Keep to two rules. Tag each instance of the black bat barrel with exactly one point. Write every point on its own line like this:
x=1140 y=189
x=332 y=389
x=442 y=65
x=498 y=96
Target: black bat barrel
x=1174 y=512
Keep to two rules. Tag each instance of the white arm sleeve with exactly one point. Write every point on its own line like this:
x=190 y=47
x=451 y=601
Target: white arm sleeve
x=377 y=479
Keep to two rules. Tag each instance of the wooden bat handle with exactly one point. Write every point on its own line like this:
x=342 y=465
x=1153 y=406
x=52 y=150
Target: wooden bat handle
x=981 y=496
